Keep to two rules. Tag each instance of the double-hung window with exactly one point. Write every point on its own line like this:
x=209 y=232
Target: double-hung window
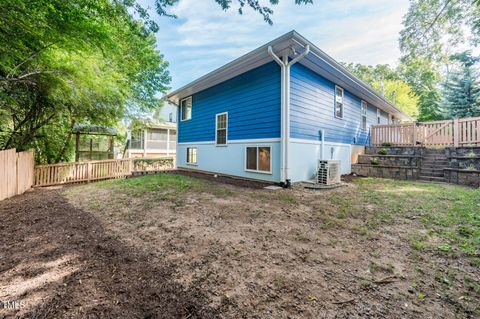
x=221 y=124
x=338 y=102
x=186 y=108
x=192 y=155
x=363 y=107
x=379 y=116
x=258 y=159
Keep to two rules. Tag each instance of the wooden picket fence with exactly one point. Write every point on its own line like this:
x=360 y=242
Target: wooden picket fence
x=457 y=132
x=16 y=172
x=63 y=173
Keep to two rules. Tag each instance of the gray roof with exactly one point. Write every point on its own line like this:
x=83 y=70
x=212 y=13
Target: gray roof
x=316 y=60
x=94 y=129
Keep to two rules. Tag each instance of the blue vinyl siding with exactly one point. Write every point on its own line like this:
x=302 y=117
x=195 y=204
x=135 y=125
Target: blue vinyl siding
x=312 y=109
x=251 y=99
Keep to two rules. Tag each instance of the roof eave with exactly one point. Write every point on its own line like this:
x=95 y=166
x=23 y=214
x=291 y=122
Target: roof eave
x=339 y=75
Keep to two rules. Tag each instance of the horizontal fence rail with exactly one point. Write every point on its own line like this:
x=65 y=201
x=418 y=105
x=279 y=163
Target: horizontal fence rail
x=63 y=173
x=457 y=132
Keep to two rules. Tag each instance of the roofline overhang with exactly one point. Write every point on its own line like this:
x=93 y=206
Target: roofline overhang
x=317 y=60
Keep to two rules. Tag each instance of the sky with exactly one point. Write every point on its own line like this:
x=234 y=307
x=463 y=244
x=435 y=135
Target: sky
x=204 y=37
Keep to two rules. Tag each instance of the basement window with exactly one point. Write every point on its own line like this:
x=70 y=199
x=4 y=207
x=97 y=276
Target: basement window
x=364 y=114
x=221 y=124
x=192 y=155
x=338 y=102
x=186 y=108
x=258 y=159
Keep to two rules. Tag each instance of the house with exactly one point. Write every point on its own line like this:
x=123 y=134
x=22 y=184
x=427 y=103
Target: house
x=157 y=140
x=273 y=113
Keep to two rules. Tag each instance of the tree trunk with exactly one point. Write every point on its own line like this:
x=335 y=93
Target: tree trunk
x=61 y=154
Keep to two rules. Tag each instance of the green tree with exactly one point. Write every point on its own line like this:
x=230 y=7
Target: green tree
x=390 y=83
x=461 y=91
x=266 y=11
x=66 y=62
x=432 y=28
x=423 y=79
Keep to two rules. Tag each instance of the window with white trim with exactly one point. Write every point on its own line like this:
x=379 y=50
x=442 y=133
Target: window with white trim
x=186 y=108
x=338 y=102
x=379 y=116
x=192 y=155
x=390 y=119
x=221 y=129
x=258 y=159
x=363 y=107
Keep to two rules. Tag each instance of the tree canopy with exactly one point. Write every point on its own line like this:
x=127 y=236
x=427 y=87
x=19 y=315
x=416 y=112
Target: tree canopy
x=389 y=82
x=64 y=62
x=461 y=90
x=433 y=32
x=67 y=62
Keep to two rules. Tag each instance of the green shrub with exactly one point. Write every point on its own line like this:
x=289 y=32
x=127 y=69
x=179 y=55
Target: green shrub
x=471 y=154
x=383 y=152
x=387 y=144
x=375 y=161
x=470 y=167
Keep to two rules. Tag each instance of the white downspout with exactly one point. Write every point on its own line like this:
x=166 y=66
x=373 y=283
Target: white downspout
x=285 y=107
x=282 y=111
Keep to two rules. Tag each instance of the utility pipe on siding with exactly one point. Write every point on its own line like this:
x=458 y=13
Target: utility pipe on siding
x=323 y=144
x=285 y=108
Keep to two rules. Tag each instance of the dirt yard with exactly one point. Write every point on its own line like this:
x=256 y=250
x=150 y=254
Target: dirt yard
x=173 y=246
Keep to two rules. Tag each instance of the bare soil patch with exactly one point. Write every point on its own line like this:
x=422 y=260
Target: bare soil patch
x=60 y=262
x=177 y=246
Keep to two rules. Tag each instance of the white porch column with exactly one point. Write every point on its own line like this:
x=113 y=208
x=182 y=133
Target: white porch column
x=168 y=141
x=144 y=143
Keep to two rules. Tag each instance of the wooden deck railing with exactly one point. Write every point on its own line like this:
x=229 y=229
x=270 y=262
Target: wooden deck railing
x=55 y=174
x=457 y=132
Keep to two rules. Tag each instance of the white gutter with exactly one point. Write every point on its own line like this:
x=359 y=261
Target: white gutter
x=285 y=108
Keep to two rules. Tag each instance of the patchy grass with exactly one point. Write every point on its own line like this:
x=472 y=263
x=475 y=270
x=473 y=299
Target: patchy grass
x=291 y=251
x=449 y=214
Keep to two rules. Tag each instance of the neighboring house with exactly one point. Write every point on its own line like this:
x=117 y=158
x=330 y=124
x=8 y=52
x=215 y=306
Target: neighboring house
x=157 y=140
x=257 y=118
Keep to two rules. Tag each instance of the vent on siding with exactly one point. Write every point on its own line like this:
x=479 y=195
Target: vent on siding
x=328 y=172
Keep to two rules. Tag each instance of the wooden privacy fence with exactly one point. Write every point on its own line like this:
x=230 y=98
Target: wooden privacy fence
x=16 y=172
x=63 y=173
x=457 y=132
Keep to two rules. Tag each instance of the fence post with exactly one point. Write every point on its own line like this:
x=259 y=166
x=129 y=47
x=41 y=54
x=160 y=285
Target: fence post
x=89 y=171
x=456 y=132
x=414 y=133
